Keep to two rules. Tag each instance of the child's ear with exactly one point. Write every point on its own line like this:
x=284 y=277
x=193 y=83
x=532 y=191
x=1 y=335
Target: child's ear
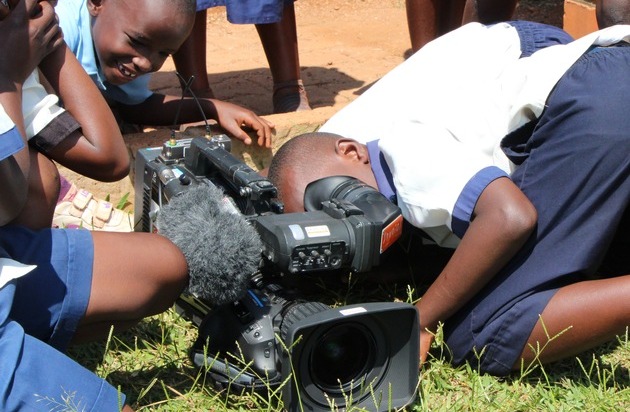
x=352 y=149
x=94 y=7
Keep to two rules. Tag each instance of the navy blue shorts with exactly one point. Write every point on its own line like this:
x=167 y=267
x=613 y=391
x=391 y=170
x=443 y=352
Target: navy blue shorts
x=39 y=314
x=575 y=168
x=536 y=36
x=248 y=11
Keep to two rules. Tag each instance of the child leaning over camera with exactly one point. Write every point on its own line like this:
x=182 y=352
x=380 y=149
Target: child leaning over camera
x=119 y=43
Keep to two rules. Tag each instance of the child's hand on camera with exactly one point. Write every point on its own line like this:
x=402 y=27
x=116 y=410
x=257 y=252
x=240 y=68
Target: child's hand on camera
x=233 y=118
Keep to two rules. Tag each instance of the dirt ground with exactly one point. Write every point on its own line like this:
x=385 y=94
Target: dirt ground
x=345 y=45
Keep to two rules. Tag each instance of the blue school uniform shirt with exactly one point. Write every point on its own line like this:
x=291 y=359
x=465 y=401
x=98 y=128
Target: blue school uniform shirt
x=10 y=139
x=75 y=21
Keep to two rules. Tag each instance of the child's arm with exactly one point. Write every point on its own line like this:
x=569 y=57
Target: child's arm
x=14 y=167
x=97 y=149
x=502 y=221
x=162 y=109
x=23 y=43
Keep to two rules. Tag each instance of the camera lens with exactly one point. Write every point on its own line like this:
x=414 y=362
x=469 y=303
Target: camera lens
x=341 y=357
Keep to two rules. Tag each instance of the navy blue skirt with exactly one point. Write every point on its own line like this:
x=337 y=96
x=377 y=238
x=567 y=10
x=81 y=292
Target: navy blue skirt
x=248 y=11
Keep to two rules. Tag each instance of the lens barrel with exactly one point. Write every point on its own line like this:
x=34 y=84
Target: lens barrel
x=341 y=357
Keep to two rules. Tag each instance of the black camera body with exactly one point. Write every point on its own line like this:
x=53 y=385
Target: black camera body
x=364 y=355
x=337 y=233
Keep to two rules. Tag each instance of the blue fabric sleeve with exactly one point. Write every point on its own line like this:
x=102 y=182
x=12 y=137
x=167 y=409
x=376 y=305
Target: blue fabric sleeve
x=10 y=143
x=467 y=200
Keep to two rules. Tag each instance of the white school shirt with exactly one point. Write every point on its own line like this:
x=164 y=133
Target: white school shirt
x=440 y=116
x=38 y=106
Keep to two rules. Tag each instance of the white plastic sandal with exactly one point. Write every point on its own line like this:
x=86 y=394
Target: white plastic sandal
x=79 y=208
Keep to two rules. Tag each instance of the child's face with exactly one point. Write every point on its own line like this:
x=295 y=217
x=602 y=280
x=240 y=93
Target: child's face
x=134 y=37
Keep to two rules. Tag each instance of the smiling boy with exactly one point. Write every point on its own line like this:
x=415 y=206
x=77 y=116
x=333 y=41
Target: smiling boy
x=120 y=42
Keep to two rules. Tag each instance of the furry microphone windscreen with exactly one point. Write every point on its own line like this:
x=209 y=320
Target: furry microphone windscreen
x=221 y=248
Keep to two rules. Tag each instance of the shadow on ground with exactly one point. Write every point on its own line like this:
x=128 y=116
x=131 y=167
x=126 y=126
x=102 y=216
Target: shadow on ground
x=253 y=88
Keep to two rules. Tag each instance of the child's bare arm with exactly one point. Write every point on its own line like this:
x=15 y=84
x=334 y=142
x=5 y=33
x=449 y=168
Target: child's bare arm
x=97 y=149
x=14 y=170
x=24 y=42
x=503 y=220
x=162 y=109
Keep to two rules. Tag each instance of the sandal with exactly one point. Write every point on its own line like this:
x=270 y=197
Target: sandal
x=290 y=97
x=80 y=209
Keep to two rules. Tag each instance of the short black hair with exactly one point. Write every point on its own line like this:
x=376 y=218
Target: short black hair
x=294 y=153
x=302 y=156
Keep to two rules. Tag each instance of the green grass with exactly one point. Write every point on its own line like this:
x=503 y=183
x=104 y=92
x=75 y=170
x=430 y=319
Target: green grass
x=150 y=365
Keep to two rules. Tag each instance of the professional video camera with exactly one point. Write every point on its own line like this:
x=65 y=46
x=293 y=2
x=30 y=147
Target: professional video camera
x=362 y=355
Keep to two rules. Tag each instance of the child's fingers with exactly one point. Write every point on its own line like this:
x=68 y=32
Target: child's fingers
x=268 y=136
x=22 y=9
x=426 y=339
x=50 y=32
x=269 y=123
x=263 y=131
x=264 y=141
x=261 y=126
x=235 y=130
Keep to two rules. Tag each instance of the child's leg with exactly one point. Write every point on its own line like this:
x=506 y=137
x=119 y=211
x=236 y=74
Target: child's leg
x=190 y=59
x=612 y=12
x=489 y=11
x=429 y=19
x=135 y=275
x=593 y=312
x=87 y=281
x=596 y=311
x=39 y=313
x=577 y=175
x=582 y=168
x=43 y=192
x=279 y=40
